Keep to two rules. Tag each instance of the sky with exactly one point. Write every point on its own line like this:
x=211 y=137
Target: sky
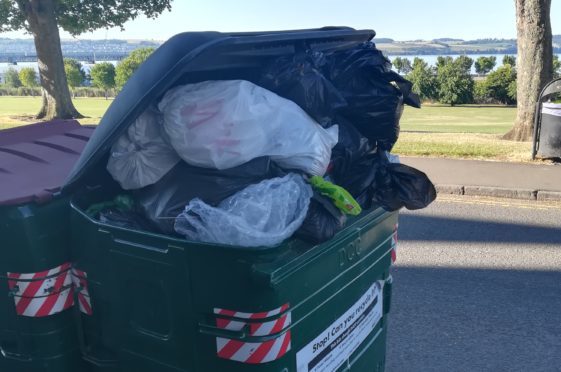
x=397 y=19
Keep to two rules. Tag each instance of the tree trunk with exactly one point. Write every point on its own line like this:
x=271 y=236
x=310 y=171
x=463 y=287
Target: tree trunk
x=41 y=18
x=534 y=62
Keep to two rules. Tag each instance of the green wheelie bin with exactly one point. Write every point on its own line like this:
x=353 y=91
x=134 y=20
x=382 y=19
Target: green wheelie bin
x=37 y=328
x=152 y=302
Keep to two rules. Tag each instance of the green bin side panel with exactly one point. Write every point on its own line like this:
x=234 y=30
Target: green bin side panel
x=35 y=238
x=153 y=296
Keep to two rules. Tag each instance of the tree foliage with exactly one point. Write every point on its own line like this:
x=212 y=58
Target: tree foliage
x=455 y=84
x=423 y=78
x=499 y=84
x=483 y=65
x=129 y=65
x=556 y=66
x=11 y=78
x=81 y=16
x=43 y=18
x=480 y=93
x=441 y=61
x=28 y=77
x=512 y=90
x=509 y=60
x=75 y=74
x=402 y=65
x=466 y=62
x=103 y=76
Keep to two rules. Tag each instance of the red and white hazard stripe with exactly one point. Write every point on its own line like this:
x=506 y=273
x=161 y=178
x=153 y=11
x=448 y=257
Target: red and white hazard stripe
x=80 y=280
x=43 y=293
x=394 y=243
x=254 y=352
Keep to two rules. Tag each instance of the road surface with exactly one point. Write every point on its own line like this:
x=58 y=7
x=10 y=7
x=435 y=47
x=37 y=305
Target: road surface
x=477 y=287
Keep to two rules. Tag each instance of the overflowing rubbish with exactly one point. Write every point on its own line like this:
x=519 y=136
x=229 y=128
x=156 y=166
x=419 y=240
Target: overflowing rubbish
x=122 y=211
x=297 y=79
x=404 y=186
x=223 y=124
x=374 y=93
x=235 y=163
x=164 y=200
x=360 y=179
x=352 y=146
x=322 y=222
x=357 y=85
x=141 y=156
x=340 y=197
x=120 y=202
x=263 y=214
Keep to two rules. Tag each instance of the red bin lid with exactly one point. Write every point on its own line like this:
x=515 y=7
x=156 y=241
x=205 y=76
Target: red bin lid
x=36 y=159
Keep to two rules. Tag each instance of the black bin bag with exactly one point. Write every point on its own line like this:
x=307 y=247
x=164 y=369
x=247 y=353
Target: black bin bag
x=297 y=79
x=373 y=180
x=399 y=185
x=350 y=148
x=374 y=93
x=361 y=177
x=164 y=200
x=322 y=221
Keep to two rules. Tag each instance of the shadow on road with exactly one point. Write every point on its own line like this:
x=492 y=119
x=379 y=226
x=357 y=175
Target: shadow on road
x=465 y=230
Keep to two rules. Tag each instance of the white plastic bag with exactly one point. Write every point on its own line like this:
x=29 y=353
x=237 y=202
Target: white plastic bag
x=551 y=108
x=223 y=124
x=141 y=156
x=261 y=215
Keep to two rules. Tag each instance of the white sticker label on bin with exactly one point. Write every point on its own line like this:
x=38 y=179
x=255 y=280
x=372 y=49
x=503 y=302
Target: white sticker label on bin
x=329 y=350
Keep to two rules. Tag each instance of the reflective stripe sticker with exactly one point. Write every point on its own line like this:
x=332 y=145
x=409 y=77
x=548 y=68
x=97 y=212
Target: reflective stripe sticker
x=43 y=293
x=79 y=278
x=254 y=352
x=49 y=292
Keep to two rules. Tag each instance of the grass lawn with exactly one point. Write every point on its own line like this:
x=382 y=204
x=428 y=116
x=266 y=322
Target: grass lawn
x=460 y=119
x=460 y=132
x=20 y=110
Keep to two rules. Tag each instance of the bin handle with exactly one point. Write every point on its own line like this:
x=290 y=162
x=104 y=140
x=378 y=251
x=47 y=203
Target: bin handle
x=208 y=329
x=242 y=334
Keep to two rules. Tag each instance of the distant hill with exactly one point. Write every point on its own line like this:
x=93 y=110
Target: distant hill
x=26 y=46
x=444 y=46
x=447 y=40
x=440 y=46
x=383 y=40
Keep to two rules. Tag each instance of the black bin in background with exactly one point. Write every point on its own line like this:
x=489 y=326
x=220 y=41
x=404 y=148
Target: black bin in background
x=547 y=123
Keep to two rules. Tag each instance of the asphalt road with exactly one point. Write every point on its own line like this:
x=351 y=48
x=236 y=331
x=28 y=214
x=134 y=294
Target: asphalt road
x=477 y=287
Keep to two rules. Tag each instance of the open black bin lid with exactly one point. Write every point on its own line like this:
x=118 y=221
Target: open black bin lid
x=196 y=56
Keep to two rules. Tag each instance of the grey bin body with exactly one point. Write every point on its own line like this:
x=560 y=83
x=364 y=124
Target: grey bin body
x=547 y=123
x=550 y=131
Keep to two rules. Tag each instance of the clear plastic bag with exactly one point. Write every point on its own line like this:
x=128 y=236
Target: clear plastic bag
x=261 y=215
x=164 y=200
x=223 y=124
x=141 y=156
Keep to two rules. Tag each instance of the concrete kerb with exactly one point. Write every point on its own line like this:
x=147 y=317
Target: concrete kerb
x=549 y=196
x=499 y=192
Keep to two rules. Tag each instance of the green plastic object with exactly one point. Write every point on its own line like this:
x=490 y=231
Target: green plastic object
x=35 y=240
x=121 y=202
x=342 y=199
